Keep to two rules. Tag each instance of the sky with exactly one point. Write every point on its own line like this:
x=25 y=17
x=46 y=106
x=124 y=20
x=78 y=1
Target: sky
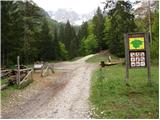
x=79 y=6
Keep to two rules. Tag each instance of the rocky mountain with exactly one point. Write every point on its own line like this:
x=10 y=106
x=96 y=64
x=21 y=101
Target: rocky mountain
x=140 y=8
x=62 y=15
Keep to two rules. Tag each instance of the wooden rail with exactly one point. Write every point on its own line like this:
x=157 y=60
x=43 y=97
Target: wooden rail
x=26 y=77
x=46 y=70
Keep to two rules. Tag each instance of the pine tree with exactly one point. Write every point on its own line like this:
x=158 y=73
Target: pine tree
x=61 y=33
x=68 y=35
x=11 y=31
x=155 y=36
x=56 y=45
x=106 y=31
x=46 y=44
x=82 y=34
x=119 y=26
x=71 y=41
x=98 y=22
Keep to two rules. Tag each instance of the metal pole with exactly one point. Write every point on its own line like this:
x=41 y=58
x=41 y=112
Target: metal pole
x=18 y=70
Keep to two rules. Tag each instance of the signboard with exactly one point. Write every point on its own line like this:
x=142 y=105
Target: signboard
x=136 y=43
x=137 y=51
x=137 y=59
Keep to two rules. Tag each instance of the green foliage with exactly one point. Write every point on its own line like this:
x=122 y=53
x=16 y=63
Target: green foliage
x=68 y=35
x=83 y=32
x=90 y=44
x=107 y=27
x=82 y=47
x=61 y=33
x=82 y=35
x=100 y=57
x=21 y=25
x=122 y=21
x=70 y=40
x=155 y=36
x=91 y=35
x=45 y=43
x=112 y=99
x=8 y=92
x=74 y=48
x=98 y=28
x=28 y=31
x=140 y=25
x=63 y=51
x=90 y=28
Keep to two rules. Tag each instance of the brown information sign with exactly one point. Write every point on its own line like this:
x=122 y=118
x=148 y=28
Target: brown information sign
x=137 y=52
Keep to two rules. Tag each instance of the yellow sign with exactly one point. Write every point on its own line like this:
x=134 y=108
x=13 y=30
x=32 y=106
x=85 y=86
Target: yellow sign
x=136 y=43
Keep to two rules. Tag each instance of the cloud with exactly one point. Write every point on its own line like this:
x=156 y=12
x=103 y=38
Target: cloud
x=79 y=6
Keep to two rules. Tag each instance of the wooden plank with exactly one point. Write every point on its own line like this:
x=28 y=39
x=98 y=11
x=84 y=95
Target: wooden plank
x=5 y=70
x=103 y=64
x=43 y=73
x=21 y=70
x=26 y=77
x=5 y=74
x=51 y=67
x=115 y=62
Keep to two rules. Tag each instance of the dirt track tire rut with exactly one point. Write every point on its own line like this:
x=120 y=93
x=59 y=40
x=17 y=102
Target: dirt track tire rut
x=67 y=97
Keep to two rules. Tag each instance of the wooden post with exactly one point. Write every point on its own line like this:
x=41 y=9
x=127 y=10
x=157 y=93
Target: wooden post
x=149 y=20
x=18 y=71
x=32 y=75
x=148 y=58
x=126 y=58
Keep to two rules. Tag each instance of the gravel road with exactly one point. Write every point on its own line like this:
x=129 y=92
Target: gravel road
x=62 y=95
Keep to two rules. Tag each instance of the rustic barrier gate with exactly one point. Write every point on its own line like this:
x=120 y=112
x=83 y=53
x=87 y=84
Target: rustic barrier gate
x=137 y=54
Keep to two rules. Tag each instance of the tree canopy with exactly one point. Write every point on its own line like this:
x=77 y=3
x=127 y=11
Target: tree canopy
x=28 y=31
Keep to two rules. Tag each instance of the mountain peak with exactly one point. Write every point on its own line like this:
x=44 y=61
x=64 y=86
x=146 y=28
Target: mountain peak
x=62 y=15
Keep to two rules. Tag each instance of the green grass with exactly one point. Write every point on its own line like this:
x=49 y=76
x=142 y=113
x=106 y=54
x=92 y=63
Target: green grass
x=100 y=57
x=76 y=58
x=111 y=98
x=4 y=80
x=13 y=88
x=8 y=92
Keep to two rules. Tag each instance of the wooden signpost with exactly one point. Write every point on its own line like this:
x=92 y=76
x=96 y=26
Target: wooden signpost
x=137 y=54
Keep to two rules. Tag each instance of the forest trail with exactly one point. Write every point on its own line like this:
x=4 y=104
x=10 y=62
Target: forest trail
x=61 y=95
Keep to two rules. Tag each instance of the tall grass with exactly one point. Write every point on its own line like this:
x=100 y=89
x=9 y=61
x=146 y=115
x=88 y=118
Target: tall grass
x=111 y=98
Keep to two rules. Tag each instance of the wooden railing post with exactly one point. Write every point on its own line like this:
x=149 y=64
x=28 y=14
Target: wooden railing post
x=18 y=70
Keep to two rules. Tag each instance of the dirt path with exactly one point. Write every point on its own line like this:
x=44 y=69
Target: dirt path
x=62 y=95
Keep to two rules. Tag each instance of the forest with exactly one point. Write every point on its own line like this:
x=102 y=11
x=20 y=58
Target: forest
x=29 y=32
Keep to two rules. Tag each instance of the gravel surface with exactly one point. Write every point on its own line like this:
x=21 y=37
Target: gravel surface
x=62 y=95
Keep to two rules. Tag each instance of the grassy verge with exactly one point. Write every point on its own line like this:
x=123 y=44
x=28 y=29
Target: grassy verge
x=8 y=92
x=100 y=57
x=76 y=58
x=13 y=88
x=111 y=98
x=4 y=81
